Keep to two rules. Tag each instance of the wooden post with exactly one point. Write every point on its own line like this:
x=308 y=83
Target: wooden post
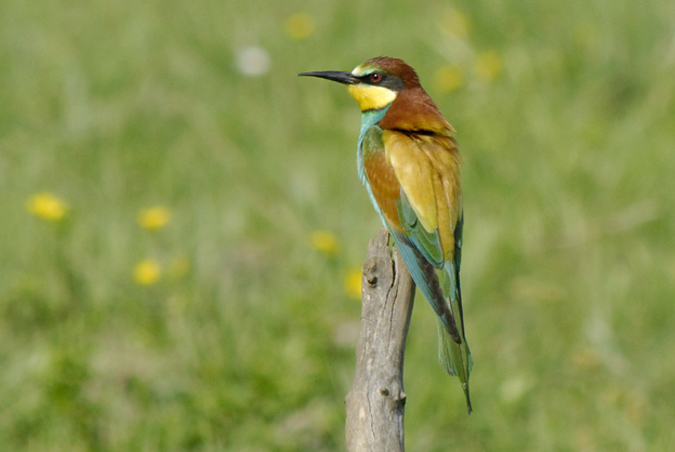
x=376 y=402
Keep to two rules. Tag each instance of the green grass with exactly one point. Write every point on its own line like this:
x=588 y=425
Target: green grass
x=569 y=199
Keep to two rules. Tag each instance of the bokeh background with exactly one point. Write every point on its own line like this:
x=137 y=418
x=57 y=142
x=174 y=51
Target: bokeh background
x=182 y=227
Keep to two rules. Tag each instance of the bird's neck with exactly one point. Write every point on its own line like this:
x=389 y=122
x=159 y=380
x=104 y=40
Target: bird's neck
x=370 y=118
x=414 y=111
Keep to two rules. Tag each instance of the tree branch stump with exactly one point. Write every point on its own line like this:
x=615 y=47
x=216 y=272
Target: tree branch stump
x=375 y=403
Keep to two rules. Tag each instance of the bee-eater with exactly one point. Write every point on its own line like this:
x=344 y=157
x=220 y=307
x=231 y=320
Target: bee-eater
x=408 y=161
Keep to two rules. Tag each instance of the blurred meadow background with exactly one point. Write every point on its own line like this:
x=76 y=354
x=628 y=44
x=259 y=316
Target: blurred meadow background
x=182 y=227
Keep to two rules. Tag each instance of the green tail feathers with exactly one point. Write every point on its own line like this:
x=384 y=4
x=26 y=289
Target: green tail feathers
x=440 y=286
x=455 y=359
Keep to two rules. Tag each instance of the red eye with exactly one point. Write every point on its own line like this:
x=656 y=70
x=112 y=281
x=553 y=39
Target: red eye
x=375 y=77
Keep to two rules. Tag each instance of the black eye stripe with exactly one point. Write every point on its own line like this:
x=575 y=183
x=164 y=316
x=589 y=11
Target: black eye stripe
x=366 y=78
x=386 y=80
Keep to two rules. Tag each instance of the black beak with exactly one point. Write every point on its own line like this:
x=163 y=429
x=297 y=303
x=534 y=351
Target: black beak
x=346 y=78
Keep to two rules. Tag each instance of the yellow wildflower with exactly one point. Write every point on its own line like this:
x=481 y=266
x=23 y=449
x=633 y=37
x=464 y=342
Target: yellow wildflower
x=147 y=272
x=352 y=283
x=488 y=65
x=448 y=78
x=456 y=23
x=299 y=26
x=47 y=206
x=154 y=218
x=326 y=242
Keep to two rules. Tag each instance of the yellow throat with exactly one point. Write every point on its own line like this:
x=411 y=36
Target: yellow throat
x=370 y=97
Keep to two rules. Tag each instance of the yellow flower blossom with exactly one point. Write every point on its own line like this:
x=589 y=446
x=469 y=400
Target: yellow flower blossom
x=47 y=206
x=154 y=218
x=448 y=78
x=147 y=272
x=325 y=241
x=352 y=283
x=300 y=26
x=488 y=65
x=456 y=23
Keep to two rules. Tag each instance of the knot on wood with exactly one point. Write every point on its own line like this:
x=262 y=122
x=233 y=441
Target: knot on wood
x=369 y=271
x=384 y=391
x=402 y=396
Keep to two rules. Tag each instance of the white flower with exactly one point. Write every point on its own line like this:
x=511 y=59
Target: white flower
x=253 y=61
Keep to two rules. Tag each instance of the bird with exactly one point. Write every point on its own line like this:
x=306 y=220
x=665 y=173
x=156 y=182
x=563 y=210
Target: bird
x=409 y=163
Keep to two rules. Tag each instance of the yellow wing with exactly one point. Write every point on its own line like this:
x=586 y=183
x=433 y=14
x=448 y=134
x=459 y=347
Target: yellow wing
x=427 y=168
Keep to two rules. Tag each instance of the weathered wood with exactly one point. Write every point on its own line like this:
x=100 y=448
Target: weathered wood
x=376 y=402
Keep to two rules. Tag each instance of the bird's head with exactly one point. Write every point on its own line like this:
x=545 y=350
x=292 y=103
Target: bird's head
x=374 y=84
